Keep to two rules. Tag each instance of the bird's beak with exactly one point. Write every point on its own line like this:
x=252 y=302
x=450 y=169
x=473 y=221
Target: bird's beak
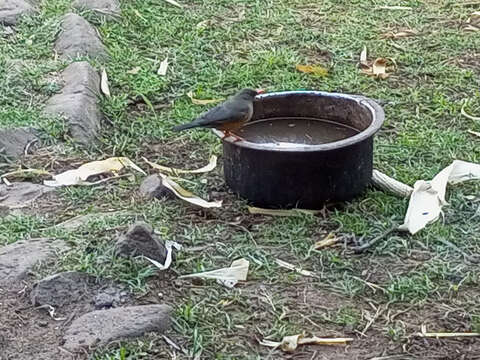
x=260 y=91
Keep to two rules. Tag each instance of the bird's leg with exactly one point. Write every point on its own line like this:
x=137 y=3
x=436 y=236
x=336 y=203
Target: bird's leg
x=236 y=138
x=226 y=134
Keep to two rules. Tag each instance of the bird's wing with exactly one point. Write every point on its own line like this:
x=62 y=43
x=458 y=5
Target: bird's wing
x=223 y=114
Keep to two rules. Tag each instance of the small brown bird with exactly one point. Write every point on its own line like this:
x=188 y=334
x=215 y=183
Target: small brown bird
x=229 y=116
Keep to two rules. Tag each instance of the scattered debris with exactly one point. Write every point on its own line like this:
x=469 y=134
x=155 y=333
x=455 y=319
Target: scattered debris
x=173 y=2
x=378 y=68
x=424 y=333
x=135 y=70
x=329 y=240
x=473 y=22
x=104 y=83
x=399 y=35
x=476 y=133
x=202 y=102
x=152 y=188
x=428 y=197
x=140 y=239
x=162 y=70
x=102 y=327
x=313 y=69
x=80 y=176
x=468 y=116
x=24 y=173
x=292 y=267
x=390 y=185
x=281 y=212
x=169 y=245
x=226 y=276
x=290 y=343
x=212 y=164
x=187 y=195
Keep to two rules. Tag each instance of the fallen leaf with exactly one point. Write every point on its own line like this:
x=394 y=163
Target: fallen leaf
x=169 y=246
x=399 y=35
x=187 y=195
x=79 y=176
x=476 y=133
x=173 y=2
x=202 y=102
x=312 y=69
x=229 y=277
x=290 y=343
x=329 y=240
x=280 y=212
x=162 y=70
x=135 y=70
x=292 y=267
x=428 y=197
x=424 y=333
x=378 y=68
x=363 y=57
x=104 y=83
x=209 y=167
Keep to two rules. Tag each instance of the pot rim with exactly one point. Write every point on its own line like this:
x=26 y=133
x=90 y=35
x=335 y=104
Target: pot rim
x=378 y=117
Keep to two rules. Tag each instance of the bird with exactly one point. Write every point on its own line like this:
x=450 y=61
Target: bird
x=228 y=117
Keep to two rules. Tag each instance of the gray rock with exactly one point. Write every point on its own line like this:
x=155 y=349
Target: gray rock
x=107 y=8
x=12 y=10
x=110 y=297
x=141 y=240
x=21 y=194
x=62 y=289
x=14 y=141
x=152 y=188
x=18 y=258
x=78 y=102
x=79 y=38
x=104 y=326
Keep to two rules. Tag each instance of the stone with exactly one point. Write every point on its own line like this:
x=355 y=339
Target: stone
x=22 y=194
x=101 y=327
x=152 y=188
x=141 y=240
x=62 y=289
x=13 y=142
x=12 y=10
x=17 y=259
x=110 y=297
x=78 y=102
x=108 y=8
x=79 y=38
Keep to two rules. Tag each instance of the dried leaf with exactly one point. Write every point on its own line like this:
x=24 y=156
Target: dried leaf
x=209 y=167
x=23 y=173
x=312 y=69
x=476 y=133
x=162 y=70
x=329 y=240
x=378 y=68
x=135 y=70
x=169 y=245
x=229 y=277
x=363 y=57
x=79 y=176
x=390 y=185
x=104 y=83
x=428 y=197
x=424 y=333
x=202 y=102
x=290 y=343
x=187 y=195
x=173 y=2
x=292 y=267
x=280 y=212
x=399 y=35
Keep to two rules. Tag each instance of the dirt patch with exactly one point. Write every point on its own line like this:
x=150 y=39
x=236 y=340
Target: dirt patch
x=470 y=62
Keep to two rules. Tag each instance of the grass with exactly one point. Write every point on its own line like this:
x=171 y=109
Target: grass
x=215 y=48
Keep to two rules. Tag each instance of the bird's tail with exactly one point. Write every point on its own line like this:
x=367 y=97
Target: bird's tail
x=184 y=126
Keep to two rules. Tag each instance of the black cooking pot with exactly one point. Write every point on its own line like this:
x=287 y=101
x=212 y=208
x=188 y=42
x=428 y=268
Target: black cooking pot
x=286 y=159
